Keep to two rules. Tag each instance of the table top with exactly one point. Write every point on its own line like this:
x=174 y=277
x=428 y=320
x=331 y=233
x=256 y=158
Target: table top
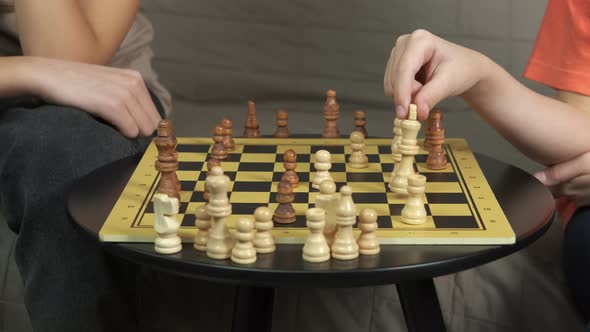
x=527 y=204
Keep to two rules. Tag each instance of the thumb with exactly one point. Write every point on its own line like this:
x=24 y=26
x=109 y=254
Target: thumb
x=563 y=172
x=430 y=94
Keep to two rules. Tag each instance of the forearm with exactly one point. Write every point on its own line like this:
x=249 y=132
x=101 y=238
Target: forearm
x=77 y=30
x=16 y=76
x=545 y=129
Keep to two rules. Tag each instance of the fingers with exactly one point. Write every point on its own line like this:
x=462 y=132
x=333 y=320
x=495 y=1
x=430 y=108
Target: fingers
x=145 y=107
x=418 y=50
x=565 y=171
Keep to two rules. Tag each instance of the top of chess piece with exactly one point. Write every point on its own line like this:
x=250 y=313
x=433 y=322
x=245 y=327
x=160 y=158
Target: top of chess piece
x=323 y=156
x=218 y=185
x=166 y=143
x=360 y=121
x=218 y=150
x=228 y=140
x=290 y=163
x=251 y=127
x=435 y=121
x=327 y=187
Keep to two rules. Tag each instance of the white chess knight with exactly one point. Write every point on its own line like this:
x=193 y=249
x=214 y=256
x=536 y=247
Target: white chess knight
x=322 y=164
x=166 y=224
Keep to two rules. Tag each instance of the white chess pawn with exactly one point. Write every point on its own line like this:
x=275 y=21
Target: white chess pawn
x=166 y=224
x=414 y=212
x=263 y=239
x=203 y=223
x=395 y=155
x=322 y=165
x=316 y=248
x=345 y=246
x=220 y=242
x=244 y=252
x=327 y=199
x=358 y=158
x=408 y=147
x=368 y=241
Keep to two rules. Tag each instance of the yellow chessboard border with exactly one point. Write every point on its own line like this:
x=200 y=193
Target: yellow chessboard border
x=480 y=197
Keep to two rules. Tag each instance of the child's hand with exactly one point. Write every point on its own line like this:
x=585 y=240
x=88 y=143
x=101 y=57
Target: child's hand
x=570 y=179
x=429 y=69
x=117 y=96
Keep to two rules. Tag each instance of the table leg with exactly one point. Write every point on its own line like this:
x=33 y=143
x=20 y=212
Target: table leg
x=253 y=309
x=420 y=304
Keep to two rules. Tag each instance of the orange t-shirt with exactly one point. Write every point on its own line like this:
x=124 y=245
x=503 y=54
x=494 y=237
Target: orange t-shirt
x=561 y=57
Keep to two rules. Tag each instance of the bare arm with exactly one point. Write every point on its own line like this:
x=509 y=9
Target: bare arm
x=79 y=30
x=547 y=130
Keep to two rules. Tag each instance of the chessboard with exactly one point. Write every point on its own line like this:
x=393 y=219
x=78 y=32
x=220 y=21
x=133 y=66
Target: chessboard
x=461 y=207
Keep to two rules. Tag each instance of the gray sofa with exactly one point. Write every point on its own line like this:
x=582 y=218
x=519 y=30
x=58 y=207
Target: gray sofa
x=214 y=55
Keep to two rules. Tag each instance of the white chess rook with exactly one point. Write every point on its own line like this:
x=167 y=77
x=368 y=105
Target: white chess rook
x=345 y=246
x=316 y=249
x=166 y=224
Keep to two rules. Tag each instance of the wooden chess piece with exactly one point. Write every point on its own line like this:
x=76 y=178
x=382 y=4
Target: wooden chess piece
x=282 y=123
x=243 y=252
x=203 y=223
x=427 y=130
x=210 y=164
x=322 y=165
x=358 y=158
x=166 y=224
x=167 y=163
x=331 y=115
x=264 y=241
x=290 y=163
x=395 y=155
x=285 y=214
x=408 y=147
x=315 y=249
x=251 y=127
x=220 y=242
x=327 y=199
x=436 y=137
x=345 y=246
x=228 y=139
x=360 y=122
x=218 y=150
x=368 y=241
x=414 y=212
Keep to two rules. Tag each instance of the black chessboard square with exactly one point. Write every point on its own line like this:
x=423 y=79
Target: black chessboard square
x=232 y=157
x=245 y=208
x=260 y=149
x=370 y=198
x=396 y=209
x=336 y=167
x=441 y=177
x=384 y=149
x=387 y=167
x=187 y=185
x=364 y=177
x=298 y=197
x=203 y=148
x=446 y=198
x=333 y=149
x=256 y=167
x=301 y=158
x=252 y=186
x=303 y=177
x=231 y=175
x=188 y=220
x=455 y=222
x=299 y=223
x=197 y=196
x=420 y=158
x=190 y=166
x=372 y=158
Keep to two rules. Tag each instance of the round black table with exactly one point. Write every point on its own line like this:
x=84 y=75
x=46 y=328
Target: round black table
x=528 y=205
